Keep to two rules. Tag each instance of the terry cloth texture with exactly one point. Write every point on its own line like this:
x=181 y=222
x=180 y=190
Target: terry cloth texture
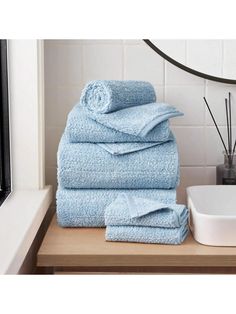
x=86 y=165
x=108 y=96
x=136 y=211
x=138 y=120
x=147 y=234
x=81 y=128
x=85 y=207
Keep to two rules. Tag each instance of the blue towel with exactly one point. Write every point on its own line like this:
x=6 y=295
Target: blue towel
x=86 y=165
x=126 y=148
x=107 y=96
x=81 y=128
x=85 y=207
x=147 y=234
x=136 y=211
x=138 y=120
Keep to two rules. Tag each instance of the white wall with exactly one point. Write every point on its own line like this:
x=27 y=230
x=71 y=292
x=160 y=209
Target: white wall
x=25 y=59
x=70 y=64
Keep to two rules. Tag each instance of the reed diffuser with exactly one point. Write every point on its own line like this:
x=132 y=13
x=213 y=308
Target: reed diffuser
x=226 y=172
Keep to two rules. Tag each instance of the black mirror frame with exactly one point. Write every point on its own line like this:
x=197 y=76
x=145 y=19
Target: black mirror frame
x=185 y=68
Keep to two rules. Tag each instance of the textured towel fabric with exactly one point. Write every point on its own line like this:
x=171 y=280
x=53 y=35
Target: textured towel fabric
x=85 y=207
x=81 y=128
x=126 y=148
x=136 y=211
x=138 y=120
x=147 y=234
x=86 y=165
x=108 y=96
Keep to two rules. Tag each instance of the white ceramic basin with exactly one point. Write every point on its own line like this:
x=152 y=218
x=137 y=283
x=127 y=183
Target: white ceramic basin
x=213 y=214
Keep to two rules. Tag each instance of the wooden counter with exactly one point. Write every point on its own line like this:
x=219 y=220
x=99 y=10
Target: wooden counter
x=85 y=250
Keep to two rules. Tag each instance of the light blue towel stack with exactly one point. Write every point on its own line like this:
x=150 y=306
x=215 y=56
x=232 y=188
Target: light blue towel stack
x=117 y=139
x=135 y=219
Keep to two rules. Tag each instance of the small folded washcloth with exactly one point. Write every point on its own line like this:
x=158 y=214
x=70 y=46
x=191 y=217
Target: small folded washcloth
x=81 y=128
x=137 y=120
x=86 y=207
x=108 y=96
x=131 y=210
x=147 y=234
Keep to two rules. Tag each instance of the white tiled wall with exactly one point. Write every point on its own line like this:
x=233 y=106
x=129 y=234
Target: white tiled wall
x=70 y=64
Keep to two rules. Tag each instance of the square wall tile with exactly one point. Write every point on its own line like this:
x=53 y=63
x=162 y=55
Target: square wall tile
x=50 y=64
x=63 y=65
x=102 y=41
x=215 y=95
x=52 y=139
x=210 y=175
x=160 y=95
x=58 y=103
x=205 y=56
x=229 y=60
x=69 y=65
x=142 y=63
x=177 y=76
x=102 y=62
x=189 y=176
x=214 y=146
x=187 y=99
x=174 y=48
x=134 y=42
x=65 y=41
x=191 y=145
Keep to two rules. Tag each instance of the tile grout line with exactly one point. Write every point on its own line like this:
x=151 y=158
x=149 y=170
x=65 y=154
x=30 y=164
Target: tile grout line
x=205 y=130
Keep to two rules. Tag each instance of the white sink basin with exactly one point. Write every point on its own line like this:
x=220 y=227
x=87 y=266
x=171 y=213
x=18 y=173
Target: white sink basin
x=213 y=214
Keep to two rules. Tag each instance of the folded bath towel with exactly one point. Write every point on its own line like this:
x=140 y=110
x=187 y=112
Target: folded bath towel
x=108 y=96
x=136 y=211
x=81 y=128
x=85 y=207
x=126 y=148
x=147 y=234
x=86 y=165
x=137 y=120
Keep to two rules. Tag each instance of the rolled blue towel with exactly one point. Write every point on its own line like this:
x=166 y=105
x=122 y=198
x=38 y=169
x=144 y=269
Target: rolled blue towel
x=81 y=128
x=137 y=120
x=86 y=165
x=86 y=207
x=137 y=211
x=108 y=96
x=147 y=234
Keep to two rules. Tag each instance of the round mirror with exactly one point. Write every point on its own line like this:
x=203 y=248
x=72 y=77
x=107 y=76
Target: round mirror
x=211 y=59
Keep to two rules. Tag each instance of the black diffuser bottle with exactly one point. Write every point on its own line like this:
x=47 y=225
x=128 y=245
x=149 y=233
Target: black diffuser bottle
x=226 y=172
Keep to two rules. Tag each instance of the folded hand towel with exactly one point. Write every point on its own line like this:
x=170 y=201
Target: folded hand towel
x=86 y=165
x=136 y=211
x=126 y=148
x=138 y=120
x=85 y=207
x=108 y=96
x=147 y=234
x=81 y=128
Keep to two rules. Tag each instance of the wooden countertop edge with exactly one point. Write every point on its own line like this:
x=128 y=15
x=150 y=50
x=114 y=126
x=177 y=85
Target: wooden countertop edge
x=136 y=260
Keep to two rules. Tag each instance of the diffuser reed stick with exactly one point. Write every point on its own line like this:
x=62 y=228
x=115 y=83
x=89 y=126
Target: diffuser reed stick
x=217 y=128
x=230 y=126
x=227 y=119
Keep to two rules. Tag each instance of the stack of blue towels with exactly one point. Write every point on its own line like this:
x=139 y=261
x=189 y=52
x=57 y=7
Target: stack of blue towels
x=118 y=145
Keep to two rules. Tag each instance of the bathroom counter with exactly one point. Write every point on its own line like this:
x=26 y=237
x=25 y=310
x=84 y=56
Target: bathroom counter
x=84 y=250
